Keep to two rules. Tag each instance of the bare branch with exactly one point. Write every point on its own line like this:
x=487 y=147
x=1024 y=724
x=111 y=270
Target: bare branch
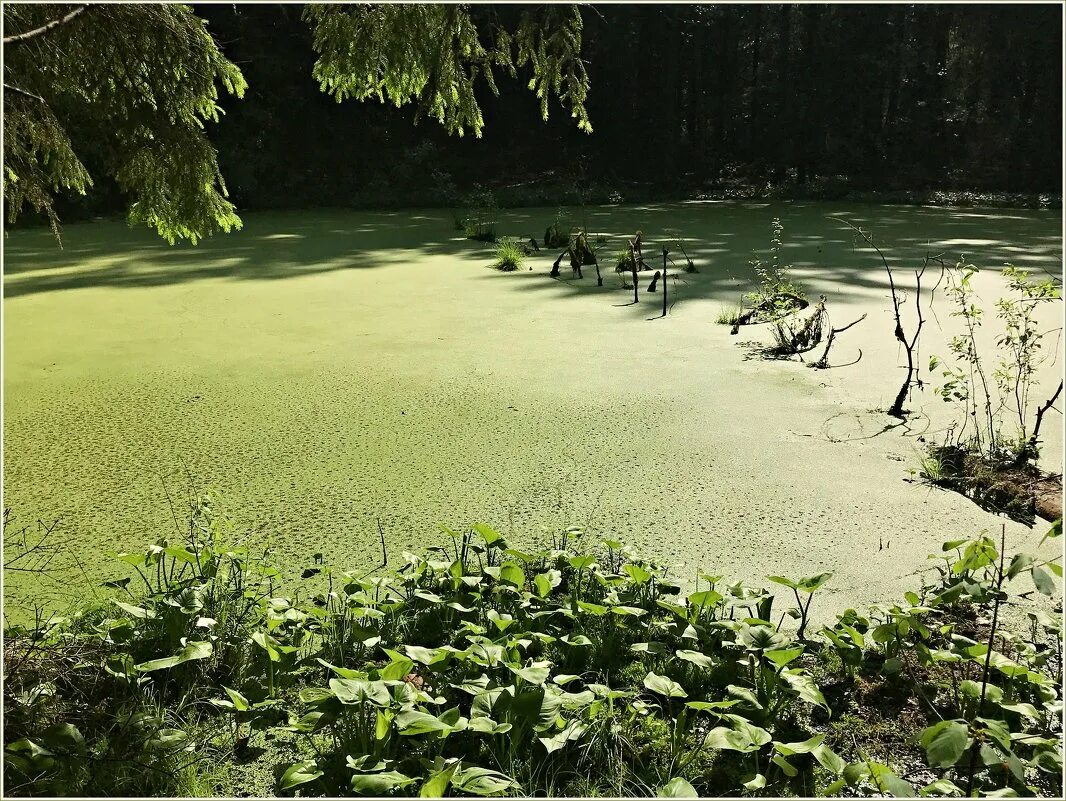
x=48 y=26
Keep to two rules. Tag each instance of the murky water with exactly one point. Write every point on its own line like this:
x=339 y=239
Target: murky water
x=325 y=371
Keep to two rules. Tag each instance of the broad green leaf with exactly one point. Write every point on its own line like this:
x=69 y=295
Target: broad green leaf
x=756 y=782
x=630 y=611
x=300 y=773
x=437 y=784
x=786 y=767
x=191 y=652
x=482 y=781
x=240 y=703
x=137 y=611
x=637 y=573
x=802 y=747
x=704 y=598
x=783 y=656
x=511 y=573
x=542 y=584
x=695 y=657
x=356 y=691
x=575 y=640
x=829 y=759
x=744 y=737
x=412 y=723
x=677 y=788
x=65 y=738
x=1054 y=531
x=1043 y=581
x=377 y=784
x=945 y=742
x=805 y=686
x=940 y=787
x=557 y=741
x=490 y=535
x=664 y=686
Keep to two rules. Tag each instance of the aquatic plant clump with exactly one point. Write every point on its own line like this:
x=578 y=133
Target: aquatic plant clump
x=482 y=669
x=509 y=255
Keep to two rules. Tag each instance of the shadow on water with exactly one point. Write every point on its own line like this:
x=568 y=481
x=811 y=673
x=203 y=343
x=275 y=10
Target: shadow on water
x=720 y=237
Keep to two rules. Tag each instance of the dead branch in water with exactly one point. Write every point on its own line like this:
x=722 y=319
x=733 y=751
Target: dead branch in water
x=823 y=362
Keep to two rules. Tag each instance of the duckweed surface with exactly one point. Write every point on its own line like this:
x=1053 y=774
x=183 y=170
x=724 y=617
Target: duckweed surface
x=326 y=371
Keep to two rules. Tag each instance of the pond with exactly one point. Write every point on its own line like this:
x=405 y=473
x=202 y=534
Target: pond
x=326 y=372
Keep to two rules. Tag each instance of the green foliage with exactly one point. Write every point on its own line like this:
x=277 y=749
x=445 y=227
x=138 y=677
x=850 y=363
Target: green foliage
x=434 y=56
x=728 y=315
x=481 y=669
x=776 y=295
x=509 y=254
x=480 y=221
x=140 y=82
x=966 y=380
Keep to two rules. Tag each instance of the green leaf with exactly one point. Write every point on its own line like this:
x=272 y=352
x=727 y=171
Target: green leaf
x=802 y=747
x=268 y=644
x=629 y=611
x=534 y=674
x=575 y=640
x=412 y=723
x=437 y=784
x=240 y=703
x=743 y=737
x=542 y=585
x=941 y=787
x=300 y=773
x=1020 y=562
x=695 y=657
x=137 y=611
x=705 y=598
x=1043 y=581
x=829 y=759
x=511 y=573
x=166 y=739
x=783 y=656
x=637 y=573
x=377 y=784
x=490 y=535
x=557 y=741
x=356 y=691
x=1054 y=531
x=63 y=738
x=664 y=686
x=677 y=788
x=889 y=782
x=786 y=767
x=191 y=652
x=482 y=781
x=945 y=742
x=806 y=688
x=756 y=782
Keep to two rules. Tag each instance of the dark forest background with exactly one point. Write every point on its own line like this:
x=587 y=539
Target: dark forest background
x=813 y=100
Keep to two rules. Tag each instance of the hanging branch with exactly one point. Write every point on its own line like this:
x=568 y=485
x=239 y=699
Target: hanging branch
x=48 y=26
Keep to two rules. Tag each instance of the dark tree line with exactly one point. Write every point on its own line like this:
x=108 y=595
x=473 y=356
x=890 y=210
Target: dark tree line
x=878 y=97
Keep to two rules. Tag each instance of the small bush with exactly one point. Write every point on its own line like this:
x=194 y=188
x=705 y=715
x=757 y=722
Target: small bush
x=509 y=255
